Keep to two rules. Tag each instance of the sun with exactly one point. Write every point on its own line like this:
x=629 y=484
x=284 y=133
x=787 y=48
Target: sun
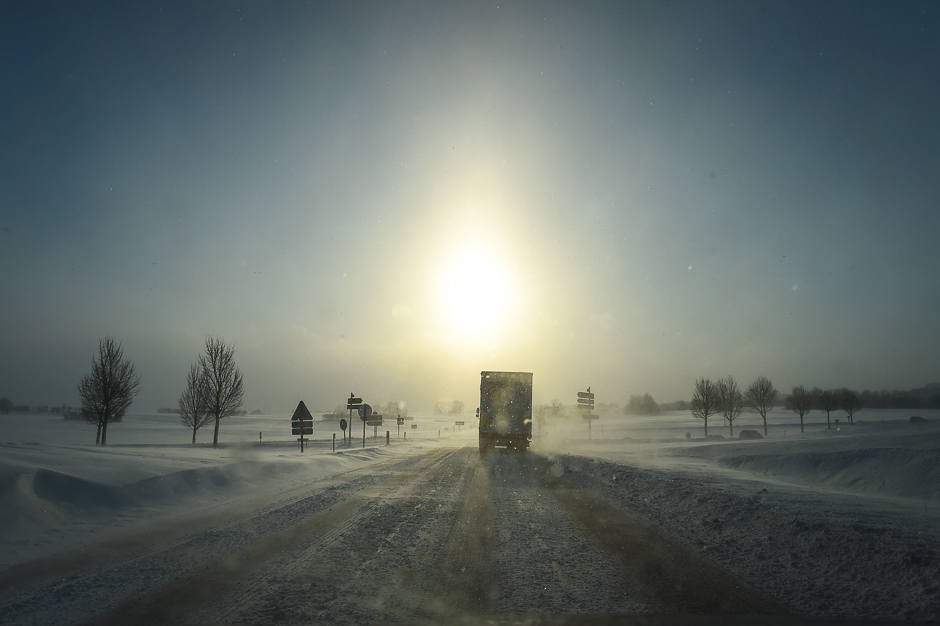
x=474 y=293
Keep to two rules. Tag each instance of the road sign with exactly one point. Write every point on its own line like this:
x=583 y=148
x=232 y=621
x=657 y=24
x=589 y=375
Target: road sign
x=587 y=395
x=590 y=416
x=301 y=422
x=301 y=413
x=352 y=402
x=413 y=426
x=400 y=420
x=365 y=412
x=343 y=424
x=458 y=423
x=374 y=423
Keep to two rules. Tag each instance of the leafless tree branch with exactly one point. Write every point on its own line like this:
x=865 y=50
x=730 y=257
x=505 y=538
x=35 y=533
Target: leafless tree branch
x=761 y=396
x=194 y=401
x=224 y=379
x=704 y=400
x=109 y=389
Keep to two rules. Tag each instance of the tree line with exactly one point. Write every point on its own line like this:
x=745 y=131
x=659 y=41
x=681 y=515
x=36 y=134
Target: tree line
x=213 y=391
x=723 y=397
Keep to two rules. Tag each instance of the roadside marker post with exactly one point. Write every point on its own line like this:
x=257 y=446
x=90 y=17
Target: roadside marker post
x=400 y=420
x=334 y=442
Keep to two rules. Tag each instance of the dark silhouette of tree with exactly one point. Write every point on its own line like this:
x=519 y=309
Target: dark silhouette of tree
x=225 y=382
x=827 y=401
x=641 y=405
x=108 y=390
x=761 y=396
x=851 y=404
x=730 y=401
x=704 y=400
x=800 y=401
x=194 y=402
x=6 y=405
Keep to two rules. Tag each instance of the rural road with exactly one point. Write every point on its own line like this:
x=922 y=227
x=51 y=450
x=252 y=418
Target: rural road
x=432 y=536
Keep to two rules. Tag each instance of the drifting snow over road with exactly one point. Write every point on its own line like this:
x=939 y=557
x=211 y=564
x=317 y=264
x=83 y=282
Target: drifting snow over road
x=640 y=521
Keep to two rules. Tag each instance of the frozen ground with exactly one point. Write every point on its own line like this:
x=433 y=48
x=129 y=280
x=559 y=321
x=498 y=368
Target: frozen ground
x=832 y=522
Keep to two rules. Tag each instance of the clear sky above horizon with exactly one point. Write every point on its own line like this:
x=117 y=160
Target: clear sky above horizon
x=388 y=198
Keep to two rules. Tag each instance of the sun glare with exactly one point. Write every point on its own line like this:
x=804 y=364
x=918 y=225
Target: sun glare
x=474 y=295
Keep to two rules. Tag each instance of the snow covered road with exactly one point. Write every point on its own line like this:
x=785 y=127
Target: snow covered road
x=446 y=532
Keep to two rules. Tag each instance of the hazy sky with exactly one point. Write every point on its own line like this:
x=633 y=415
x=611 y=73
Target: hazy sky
x=389 y=197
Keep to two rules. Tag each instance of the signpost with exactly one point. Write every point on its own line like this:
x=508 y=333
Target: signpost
x=586 y=404
x=365 y=412
x=375 y=422
x=352 y=403
x=400 y=420
x=301 y=423
x=458 y=424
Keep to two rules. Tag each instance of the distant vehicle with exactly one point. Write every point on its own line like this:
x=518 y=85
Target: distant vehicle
x=505 y=410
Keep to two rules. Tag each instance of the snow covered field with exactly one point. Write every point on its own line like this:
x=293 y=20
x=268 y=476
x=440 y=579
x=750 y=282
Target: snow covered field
x=59 y=491
x=833 y=522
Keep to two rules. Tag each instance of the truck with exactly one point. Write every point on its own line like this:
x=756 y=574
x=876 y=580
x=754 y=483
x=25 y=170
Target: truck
x=505 y=410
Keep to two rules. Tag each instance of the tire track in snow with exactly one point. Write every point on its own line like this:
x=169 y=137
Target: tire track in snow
x=71 y=587
x=175 y=601
x=657 y=569
x=415 y=551
x=545 y=563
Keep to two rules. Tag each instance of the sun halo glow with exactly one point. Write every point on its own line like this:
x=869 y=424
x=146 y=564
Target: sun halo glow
x=474 y=295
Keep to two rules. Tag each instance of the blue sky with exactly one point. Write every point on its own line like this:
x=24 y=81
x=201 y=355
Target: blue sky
x=387 y=198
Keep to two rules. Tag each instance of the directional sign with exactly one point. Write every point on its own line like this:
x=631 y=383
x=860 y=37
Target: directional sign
x=400 y=420
x=585 y=401
x=365 y=412
x=413 y=426
x=302 y=431
x=352 y=402
x=343 y=424
x=585 y=394
x=591 y=416
x=458 y=423
x=374 y=423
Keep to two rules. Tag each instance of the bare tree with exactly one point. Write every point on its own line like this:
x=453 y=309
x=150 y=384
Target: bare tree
x=108 y=390
x=800 y=401
x=851 y=404
x=224 y=380
x=194 y=402
x=827 y=401
x=761 y=396
x=704 y=400
x=730 y=401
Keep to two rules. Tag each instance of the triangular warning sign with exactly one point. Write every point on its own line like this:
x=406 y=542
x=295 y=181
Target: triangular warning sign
x=301 y=414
